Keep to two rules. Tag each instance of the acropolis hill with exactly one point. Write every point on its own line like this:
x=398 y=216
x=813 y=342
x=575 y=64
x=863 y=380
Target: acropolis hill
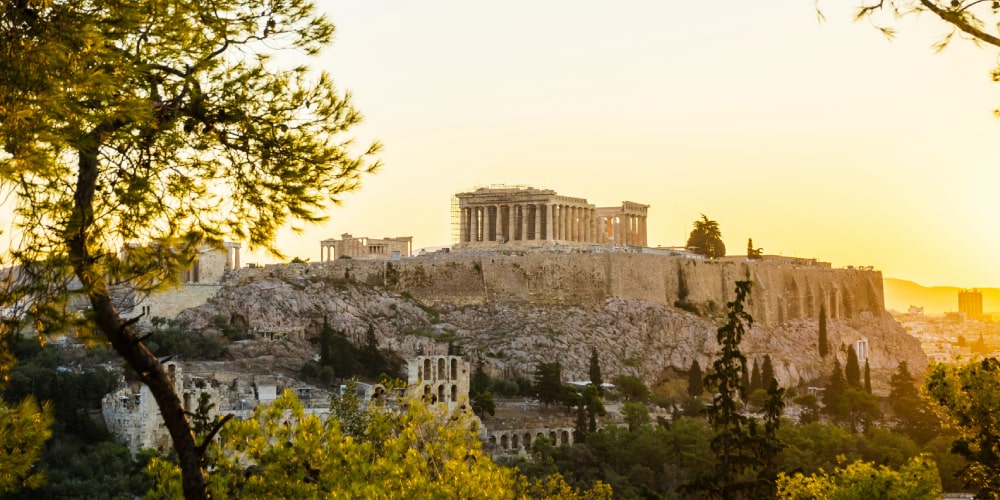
x=542 y=279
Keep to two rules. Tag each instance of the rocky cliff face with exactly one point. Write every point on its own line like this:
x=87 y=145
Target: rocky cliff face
x=633 y=335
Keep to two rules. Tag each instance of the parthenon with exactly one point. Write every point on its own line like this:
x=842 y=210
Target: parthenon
x=539 y=217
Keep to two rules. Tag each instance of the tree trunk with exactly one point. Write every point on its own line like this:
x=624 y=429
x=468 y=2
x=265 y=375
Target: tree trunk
x=120 y=333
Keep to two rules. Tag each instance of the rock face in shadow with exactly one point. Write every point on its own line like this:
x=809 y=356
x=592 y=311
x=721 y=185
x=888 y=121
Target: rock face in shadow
x=516 y=326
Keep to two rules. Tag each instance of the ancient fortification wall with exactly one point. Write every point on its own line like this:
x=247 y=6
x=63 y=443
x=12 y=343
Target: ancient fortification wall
x=782 y=291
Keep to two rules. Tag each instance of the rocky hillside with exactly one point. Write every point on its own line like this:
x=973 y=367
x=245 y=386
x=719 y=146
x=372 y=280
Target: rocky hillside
x=633 y=336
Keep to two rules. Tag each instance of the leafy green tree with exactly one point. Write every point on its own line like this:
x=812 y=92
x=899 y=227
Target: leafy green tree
x=859 y=408
x=480 y=381
x=483 y=404
x=636 y=415
x=595 y=371
x=970 y=396
x=170 y=125
x=591 y=399
x=696 y=386
x=852 y=372
x=281 y=452
x=632 y=388
x=548 y=382
x=824 y=343
x=810 y=408
x=918 y=479
x=706 y=238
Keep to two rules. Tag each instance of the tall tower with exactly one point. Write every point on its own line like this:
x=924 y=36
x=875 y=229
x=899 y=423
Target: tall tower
x=970 y=302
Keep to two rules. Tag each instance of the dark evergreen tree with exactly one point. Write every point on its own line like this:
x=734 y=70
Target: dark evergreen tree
x=372 y=362
x=852 y=372
x=768 y=446
x=706 y=238
x=595 y=407
x=834 y=391
x=744 y=387
x=454 y=348
x=481 y=381
x=767 y=372
x=325 y=341
x=912 y=415
x=824 y=343
x=595 y=371
x=733 y=443
x=755 y=380
x=548 y=382
x=696 y=386
x=868 y=377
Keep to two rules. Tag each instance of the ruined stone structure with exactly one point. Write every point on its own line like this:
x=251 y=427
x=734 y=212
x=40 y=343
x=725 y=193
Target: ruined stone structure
x=198 y=283
x=518 y=441
x=538 y=217
x=439 y=379
x=365 y=248
x=131 y=415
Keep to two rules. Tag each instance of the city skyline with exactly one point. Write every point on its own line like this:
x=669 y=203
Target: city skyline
x=816 y=139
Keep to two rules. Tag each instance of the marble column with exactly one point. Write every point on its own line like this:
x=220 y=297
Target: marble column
x=548 y=223
x=474 y=225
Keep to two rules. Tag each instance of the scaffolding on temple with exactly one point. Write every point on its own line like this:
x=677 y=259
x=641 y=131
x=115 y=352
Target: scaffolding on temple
x=456 y=210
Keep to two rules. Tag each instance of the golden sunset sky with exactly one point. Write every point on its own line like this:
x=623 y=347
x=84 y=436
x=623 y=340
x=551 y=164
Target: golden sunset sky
x=816 y=139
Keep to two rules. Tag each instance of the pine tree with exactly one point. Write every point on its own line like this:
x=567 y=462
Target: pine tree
x=696 y=387
x=823 y=342
x=852 y=372
x=595 y=371
x=767 y=372
x=733 y=443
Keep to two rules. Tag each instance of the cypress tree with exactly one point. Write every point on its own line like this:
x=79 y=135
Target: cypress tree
x=696 y=386
x=868 y=377
x=852 y=372
x=834 y=390
x=595 y=371
x=755 y=381
x=767 y=373
x=823 y=342
x=744 y=386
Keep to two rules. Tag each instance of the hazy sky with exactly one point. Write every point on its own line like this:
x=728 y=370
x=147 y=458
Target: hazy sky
x=815 y=139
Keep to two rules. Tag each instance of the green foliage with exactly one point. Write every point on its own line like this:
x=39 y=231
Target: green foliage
x=650 y=461
x=824 y=343
x=834 y=391
x=483 y=404
x=706 y=238
x=636 y=415
x=632 y=388
x=912 y=412
x=755 y=380
x=24 y=428
x=418 y=453
x=174 y=338
x=970 y=397
x=917 y=479
x=696 y=386
x=810 y=408
x=548 y=382
x=168 y=125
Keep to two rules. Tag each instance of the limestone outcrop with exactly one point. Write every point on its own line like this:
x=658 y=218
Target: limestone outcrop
x=525 y=309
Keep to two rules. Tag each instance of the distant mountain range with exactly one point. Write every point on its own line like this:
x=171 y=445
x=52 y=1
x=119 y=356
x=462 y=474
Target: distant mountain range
x=901 y=294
